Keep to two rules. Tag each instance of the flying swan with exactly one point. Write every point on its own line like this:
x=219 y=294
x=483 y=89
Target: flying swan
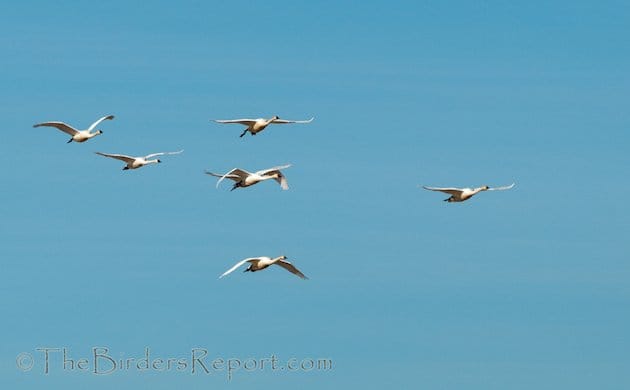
x=260 y=263
x=462 y=194
x=137 y=162
x=77 y=135
x=242 y=178
x=257 y=125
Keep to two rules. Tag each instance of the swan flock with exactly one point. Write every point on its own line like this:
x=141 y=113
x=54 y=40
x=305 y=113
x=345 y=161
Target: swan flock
x=241 y=177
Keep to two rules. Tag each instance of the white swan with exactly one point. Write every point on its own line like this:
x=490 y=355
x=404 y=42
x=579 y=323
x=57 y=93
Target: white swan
x=260 y=263
x=462 y=194
x=257 y=125
x=137 y=162
x=242 y=178
x=77 y=135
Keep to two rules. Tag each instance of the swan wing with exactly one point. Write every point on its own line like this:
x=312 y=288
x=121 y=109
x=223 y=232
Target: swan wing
x=272 y=170
x=121 y=157
x=108 y=117
x=161 y=154
x=501 y=188
x=250 y=260
x=222 y=175
x=291 y=268
x=235 y=174
x=246 y=122
x=59 y=125
x=282 y=180
x=285 y=121
x=447 y=190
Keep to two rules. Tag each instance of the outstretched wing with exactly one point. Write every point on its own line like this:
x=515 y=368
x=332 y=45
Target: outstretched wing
x=448 y=190
x=501 y=188
x=246 y=122
x=59 y=125
x=161 y=154
x=285 y=121
x=121 y=157
x=251 y=260
x=235 y=174
x=108 y=117
x=291 y=268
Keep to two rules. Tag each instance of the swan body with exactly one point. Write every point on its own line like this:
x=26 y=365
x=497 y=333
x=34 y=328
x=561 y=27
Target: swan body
x=242 y=178
x=255 y=126
x=137 y=162
x=462 y=194
x=260 y=263
x=77 y=135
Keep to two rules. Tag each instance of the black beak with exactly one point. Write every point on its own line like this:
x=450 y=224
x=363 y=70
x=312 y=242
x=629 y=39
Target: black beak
x=159 y=161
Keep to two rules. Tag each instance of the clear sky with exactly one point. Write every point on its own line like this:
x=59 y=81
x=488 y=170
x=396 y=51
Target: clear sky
x=522 y=289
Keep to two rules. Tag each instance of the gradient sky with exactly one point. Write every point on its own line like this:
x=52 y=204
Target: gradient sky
x=520 y=289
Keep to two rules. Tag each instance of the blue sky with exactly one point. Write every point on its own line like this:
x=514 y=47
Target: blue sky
x=521 y=289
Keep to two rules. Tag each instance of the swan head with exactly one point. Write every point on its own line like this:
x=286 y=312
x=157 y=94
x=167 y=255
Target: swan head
x=283 y=257
x=99 y=132
x=485 y=188
x=158 y=161
x=275 y=117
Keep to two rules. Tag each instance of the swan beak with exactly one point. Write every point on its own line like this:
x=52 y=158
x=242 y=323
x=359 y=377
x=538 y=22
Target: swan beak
x=159 y=161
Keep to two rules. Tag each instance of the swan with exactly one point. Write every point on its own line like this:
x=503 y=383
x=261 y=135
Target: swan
x=257 y=125
x=260 y=263
x=462 y=194
x=137 y=162
x=77 y=135
x=243 y=178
